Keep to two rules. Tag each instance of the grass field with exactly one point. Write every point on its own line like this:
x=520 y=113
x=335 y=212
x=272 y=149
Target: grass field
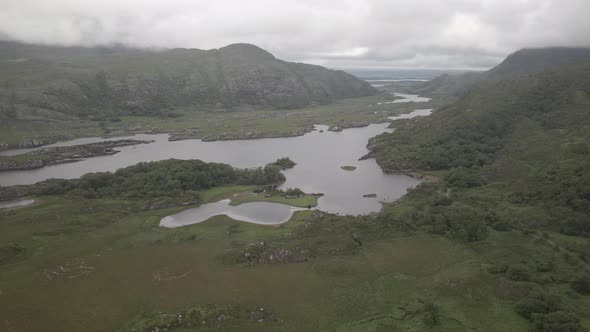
x=96 y=265
x=302 y=201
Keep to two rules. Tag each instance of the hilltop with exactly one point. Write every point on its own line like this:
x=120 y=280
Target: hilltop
x=521 y=62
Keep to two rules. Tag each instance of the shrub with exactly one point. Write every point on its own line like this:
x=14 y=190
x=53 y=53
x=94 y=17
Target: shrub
x=536 y=303
x=558 y=321
x=582 y=285
x=518 y=273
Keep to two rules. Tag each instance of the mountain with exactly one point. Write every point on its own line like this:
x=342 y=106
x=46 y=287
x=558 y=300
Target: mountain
x=522 y=62
x=50 y=82
x=509 y=157
x=524 y=139
x=538 y=59
x=448 y=85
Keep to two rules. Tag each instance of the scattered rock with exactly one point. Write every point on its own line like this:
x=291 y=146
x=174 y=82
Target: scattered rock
x=69 y=270
x=260 y=253
x=209 y=317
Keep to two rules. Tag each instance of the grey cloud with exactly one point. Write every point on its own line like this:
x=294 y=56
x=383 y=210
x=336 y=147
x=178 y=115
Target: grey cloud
x=335 y=33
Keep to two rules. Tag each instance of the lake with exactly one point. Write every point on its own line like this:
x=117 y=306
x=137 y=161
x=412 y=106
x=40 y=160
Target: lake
x=16 y=203
x=319 y=156
x=263 y=213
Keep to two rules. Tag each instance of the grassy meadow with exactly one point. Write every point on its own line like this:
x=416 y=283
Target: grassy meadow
x=100 y=265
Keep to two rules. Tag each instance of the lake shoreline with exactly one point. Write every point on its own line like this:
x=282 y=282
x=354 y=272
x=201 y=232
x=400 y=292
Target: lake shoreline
x=188 y=134
x=63 y=155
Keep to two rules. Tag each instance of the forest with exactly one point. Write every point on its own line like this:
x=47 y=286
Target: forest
x=170 y=182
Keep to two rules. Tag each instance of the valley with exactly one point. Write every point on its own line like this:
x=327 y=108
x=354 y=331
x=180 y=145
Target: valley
x=459 y=203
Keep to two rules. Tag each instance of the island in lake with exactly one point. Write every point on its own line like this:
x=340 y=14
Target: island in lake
x=348 y=168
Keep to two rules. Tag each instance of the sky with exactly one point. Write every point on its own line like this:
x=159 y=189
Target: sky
x=445 y=34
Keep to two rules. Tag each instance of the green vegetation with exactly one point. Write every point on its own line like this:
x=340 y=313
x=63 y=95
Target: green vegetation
x=61 y=83
x=516 y=143
x=256 y=122
x=521 y=62
x=511 y=155
x=343 y=273
x=57 y=155
x=284 y=163
x=157 y=184
x=11 y=252
x=499 y=243
x=299 y=199
x=207 y=318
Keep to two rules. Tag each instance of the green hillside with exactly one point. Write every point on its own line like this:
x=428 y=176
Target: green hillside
x=521 y=62
x=511 y=156
x=496 y=238
x=64 y=83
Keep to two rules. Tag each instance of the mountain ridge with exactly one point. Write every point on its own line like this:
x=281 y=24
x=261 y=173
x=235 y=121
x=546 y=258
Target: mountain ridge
x=522 y=62
x=39 y=81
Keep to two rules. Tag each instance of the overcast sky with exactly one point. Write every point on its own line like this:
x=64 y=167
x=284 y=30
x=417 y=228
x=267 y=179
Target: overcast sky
x=334 y=33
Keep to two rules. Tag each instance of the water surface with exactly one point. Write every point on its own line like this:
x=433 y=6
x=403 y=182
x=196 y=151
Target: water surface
x=416 y=113
x=319 y=156
x=264 y=213
x=16 y=203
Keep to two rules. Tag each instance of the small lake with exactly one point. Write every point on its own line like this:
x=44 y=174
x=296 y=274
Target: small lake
x=319 y=156
x=16 y=203
x=263 y=213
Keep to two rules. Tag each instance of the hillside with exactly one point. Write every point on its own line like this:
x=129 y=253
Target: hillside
x=496 y=238
x=522 y=62
x=61 y=83
x=538 y=59
x=511 y=157
x=529 y=133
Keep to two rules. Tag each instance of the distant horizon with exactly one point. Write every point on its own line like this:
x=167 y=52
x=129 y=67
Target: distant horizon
x=393 y=70
x=352 y=34
x=349 y=69
x=456 y=70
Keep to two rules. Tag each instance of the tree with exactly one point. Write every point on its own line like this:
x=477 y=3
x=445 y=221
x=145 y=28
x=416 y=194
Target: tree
x=465 y=222
x=285 y=163
x=294 y=192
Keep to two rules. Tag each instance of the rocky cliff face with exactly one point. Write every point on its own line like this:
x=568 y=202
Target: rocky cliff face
x=50 y=82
